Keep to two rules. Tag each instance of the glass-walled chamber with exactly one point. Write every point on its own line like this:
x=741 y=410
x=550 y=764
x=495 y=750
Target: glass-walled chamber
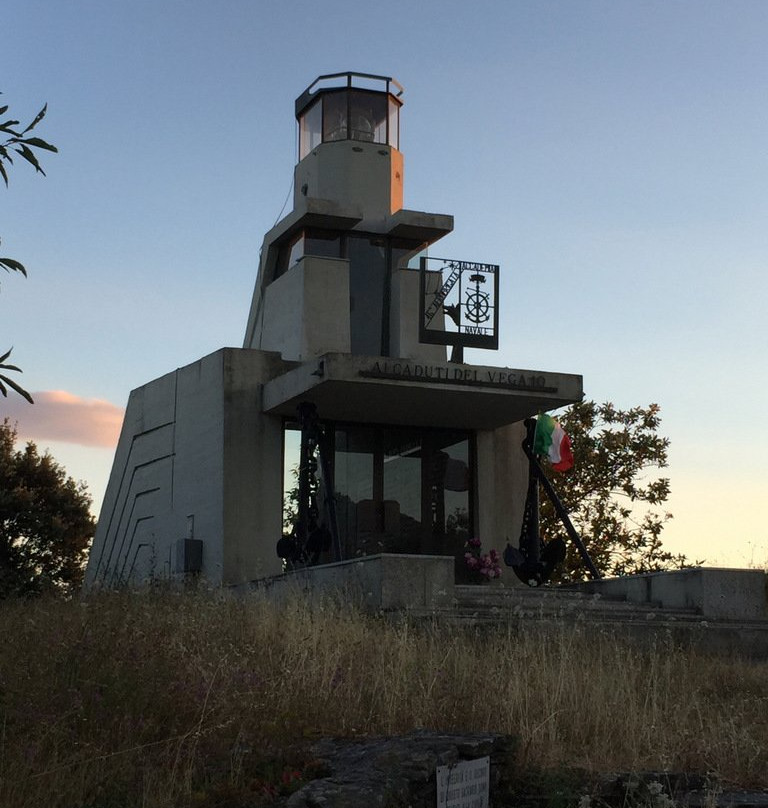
x=396 y=489
x=369 y=114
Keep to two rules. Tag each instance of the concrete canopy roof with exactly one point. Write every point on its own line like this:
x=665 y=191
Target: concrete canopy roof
x=314 y=213
x=419 y=226
x=386 y=390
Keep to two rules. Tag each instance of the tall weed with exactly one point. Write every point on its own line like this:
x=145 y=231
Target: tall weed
x=164 y=698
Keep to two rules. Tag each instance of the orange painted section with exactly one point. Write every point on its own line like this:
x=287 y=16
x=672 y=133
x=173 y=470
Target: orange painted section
x=396 y=180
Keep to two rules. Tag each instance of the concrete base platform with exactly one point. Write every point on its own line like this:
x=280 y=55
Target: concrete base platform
x=386 y=582
x=720 y=593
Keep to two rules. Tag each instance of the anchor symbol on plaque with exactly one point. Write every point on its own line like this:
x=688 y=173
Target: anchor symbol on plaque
x=477 y=302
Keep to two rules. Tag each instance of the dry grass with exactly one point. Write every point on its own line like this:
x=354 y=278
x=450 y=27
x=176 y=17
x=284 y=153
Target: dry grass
x=164 y=699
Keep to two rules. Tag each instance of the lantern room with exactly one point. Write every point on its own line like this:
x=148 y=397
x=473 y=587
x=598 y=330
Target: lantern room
x=349 y=106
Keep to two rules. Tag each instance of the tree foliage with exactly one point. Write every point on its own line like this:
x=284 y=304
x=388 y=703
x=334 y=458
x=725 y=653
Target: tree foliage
x=45 y=522
x=614 y=492
x=6 y=381
x=19 y=143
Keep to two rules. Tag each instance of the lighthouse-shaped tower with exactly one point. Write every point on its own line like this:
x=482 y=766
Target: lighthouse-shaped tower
x=351 y=320
x=334 y=273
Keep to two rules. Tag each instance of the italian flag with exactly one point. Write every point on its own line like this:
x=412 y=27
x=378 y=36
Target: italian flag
x=550 y=440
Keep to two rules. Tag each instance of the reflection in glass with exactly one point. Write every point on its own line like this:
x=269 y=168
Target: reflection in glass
x=456 y=493
x=368 y=287
x=394 y=123
x=397 y=489
x=370 y=117
x=323 y=243
x=353 y=480
x=402 y=490
x=368 y=113
x=310 y=126
x=334 y=117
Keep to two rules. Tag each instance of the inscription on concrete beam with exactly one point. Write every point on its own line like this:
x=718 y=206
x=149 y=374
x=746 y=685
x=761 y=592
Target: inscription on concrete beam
x=447 y=374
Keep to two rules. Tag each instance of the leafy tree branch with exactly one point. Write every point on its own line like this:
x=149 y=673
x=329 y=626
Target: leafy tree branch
x=18 y=143
x=6 y=381
x=615 y=492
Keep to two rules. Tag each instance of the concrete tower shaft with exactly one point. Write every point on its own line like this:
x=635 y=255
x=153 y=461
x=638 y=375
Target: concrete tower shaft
x=349 y=137
x=337 y=274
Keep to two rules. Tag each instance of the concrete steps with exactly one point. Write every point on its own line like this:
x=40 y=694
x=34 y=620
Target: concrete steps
x=497 y=601
x=496 y=606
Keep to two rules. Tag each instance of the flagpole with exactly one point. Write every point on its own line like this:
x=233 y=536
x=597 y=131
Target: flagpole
x=558 y=505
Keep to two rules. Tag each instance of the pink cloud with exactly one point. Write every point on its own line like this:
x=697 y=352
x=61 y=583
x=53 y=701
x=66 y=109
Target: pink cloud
x=58 y=415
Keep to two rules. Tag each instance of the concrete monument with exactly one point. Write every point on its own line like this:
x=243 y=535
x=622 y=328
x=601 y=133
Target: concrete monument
x=351 y=320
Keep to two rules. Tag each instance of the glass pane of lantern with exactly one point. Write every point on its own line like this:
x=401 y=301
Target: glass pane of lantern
x=335 y=117
x=394 y=123
x=309 y=129
x=368 y=117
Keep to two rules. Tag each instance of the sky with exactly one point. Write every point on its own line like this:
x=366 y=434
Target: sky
x=610 y=155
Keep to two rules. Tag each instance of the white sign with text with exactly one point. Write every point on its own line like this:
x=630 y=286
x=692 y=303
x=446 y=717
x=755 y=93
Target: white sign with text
x=464 y=785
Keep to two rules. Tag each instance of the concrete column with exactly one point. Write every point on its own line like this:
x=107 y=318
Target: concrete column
x=502 y=478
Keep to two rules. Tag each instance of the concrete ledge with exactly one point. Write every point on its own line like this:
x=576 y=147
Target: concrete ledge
x=380 y=582
x=415 y=393
x=716 y=593
x=419 y=225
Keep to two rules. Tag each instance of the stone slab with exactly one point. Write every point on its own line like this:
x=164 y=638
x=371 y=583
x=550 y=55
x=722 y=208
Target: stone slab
x=715 y=593
x=403 y=391
x=385 y=582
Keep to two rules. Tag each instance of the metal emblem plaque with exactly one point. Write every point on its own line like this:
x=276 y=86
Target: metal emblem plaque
x=459 y=303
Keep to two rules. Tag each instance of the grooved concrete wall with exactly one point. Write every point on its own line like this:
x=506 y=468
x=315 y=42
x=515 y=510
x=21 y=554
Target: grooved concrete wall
x=197 y=458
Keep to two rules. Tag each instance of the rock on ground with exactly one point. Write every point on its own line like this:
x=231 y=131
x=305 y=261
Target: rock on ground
x=395 y=772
